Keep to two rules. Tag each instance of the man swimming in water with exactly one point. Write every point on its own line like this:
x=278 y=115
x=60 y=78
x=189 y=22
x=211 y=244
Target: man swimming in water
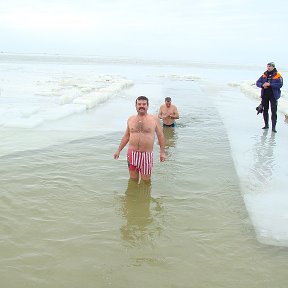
x=168 y=113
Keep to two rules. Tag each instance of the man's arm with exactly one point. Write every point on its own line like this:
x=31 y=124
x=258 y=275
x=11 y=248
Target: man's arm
x=160 y=113
x=277 y=83
x=259 y=82
x=175 y=114
x=161 y=139
x=123 y=143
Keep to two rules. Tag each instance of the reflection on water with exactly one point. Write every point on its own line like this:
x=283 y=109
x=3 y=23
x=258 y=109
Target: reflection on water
x=170 y=140
x=170 y=136
x=136 y=208
x=264 y=158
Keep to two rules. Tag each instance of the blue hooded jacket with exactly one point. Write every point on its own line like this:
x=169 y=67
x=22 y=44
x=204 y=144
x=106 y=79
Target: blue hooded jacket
x=276 y=83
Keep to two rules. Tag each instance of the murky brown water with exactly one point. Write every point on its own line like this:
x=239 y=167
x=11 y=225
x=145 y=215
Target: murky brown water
x=70 y=217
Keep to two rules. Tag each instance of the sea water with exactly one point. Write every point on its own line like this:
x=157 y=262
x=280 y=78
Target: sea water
x=213 y=216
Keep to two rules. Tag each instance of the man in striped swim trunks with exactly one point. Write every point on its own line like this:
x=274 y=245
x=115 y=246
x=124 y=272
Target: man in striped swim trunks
x=140 y=134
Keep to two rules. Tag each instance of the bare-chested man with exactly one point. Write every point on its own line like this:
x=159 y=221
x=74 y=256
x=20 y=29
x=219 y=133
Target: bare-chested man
x=140 y=134
x=168 y=113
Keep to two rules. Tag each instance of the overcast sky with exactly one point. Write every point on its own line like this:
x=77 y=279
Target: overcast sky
x=229 y=31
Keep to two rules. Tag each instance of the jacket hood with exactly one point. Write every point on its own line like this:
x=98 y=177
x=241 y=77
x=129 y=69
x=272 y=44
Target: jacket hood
x=274 y=71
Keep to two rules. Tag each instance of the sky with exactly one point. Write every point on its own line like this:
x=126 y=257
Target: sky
x=228 y=31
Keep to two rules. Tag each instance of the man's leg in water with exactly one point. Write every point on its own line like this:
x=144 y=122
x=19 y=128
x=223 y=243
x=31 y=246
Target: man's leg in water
x=134 y=174
x=146 y=178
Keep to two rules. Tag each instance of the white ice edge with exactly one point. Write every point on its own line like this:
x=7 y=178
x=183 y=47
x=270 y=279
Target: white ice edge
x=269 y=214
x=259 y=158
x=72 y=98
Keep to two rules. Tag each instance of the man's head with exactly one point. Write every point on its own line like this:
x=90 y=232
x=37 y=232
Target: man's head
x=168 y=101
x=270 y=66
x=142 y=104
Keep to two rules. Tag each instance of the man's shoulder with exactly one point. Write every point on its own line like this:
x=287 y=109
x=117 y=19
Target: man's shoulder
x=152 y=117
x=278 y=74
x=131 y=118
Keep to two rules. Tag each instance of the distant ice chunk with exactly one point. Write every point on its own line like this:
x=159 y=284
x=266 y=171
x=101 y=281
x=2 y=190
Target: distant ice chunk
x=181 y=77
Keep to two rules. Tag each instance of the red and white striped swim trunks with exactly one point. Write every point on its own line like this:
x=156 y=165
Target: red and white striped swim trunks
x=142 y=161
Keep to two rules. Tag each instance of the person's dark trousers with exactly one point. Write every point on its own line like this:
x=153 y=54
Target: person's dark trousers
x=265 y=102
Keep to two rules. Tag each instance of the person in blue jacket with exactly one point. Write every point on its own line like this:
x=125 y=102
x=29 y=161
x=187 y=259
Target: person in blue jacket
x=271 y=81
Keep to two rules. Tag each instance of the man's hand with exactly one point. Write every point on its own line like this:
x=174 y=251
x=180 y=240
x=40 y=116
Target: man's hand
x=162 y=156
x=116 y=155
x=266 y=85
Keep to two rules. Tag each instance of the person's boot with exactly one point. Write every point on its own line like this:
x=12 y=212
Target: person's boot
x=265 y=117
x=274 y=121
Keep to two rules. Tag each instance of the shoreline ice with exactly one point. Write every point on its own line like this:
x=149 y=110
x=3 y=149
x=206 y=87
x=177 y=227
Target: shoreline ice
x=56 y=99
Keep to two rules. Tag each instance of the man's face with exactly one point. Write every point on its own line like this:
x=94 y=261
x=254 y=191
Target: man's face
x=270 y=68
x=141 y=106
x=168 y=103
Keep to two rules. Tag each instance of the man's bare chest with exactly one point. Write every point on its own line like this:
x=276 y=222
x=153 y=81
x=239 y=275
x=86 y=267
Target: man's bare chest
x=142 y=127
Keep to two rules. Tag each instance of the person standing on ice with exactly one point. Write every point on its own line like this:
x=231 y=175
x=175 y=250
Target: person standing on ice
x=271 y=81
